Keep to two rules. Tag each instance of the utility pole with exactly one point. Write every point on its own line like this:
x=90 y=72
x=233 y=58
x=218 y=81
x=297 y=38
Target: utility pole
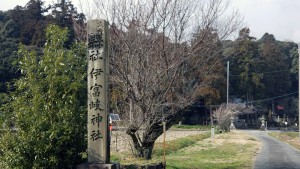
x=227 y=84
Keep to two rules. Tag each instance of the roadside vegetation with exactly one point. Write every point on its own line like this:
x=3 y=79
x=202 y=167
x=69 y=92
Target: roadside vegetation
x=191 y=127
x=292 y=138
x=227 y=150
x=172 y=146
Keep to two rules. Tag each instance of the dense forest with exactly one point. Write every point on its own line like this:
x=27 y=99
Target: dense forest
x=263 y=71
x=263 y=74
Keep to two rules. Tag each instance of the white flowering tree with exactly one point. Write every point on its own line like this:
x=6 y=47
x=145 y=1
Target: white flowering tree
x=226 y=112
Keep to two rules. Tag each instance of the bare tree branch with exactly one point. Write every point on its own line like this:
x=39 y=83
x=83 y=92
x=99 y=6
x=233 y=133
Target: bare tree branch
x=161 y=53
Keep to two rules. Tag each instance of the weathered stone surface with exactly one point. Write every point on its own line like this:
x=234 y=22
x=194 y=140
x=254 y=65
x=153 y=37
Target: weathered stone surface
x=98 y=101
x=98 y=166
x=149 y=166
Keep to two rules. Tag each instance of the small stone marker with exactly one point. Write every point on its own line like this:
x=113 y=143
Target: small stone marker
x=212 y=132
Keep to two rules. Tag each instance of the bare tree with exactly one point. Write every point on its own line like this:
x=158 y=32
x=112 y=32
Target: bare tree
x=225 y=112
x=161 y=50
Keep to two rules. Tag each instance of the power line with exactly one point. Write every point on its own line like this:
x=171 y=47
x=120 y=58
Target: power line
x=273 y=97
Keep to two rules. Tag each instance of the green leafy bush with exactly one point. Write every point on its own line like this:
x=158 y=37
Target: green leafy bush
x=48 y=107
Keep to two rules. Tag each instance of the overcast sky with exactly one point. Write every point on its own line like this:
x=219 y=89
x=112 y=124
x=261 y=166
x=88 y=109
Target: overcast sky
x=277 y=17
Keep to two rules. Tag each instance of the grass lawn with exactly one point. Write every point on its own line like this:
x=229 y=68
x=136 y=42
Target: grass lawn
x=171 y=147
x=291 y=138
x=191 y=127
x=229 y=150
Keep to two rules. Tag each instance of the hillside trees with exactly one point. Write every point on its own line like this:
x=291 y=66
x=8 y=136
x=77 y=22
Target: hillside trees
x=31 y=22
x=262 y=72
x=33 y=19
x=65 y=14
x=9 y=45
x=278 y=82
x=246 y=67
x=294 y=60
x=156 y=66
x=211 y=71
x=48 y=108
x=27 y=25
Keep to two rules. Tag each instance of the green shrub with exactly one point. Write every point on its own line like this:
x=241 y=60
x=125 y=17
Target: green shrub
x=48 y=108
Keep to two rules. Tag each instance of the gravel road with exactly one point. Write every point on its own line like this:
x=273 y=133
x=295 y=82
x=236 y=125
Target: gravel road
x=275 y=154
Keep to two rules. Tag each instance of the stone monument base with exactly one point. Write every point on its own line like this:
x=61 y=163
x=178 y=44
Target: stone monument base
x=148 y=166
x=262 y=127
x=98 y=166
x=232 y=127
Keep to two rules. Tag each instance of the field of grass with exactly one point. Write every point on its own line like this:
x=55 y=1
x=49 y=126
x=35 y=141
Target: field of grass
x=291 y=138
x=158 y=151
x=178 y=144
x=191 y=127
x=232 y=150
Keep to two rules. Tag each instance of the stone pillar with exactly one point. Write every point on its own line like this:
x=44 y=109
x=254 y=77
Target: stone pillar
x=97 y=76
x=98 y=96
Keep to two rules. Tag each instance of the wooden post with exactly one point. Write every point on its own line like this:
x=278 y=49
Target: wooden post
x=211 y=116
x=227 y=95
x=164 y=143
x=98 y=101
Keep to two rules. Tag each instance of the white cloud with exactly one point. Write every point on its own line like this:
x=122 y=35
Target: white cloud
x=10 y=4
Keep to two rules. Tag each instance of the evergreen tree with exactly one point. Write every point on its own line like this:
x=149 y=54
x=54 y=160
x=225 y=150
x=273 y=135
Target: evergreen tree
x=245 y=69
x=31 y=22
x=65 y=14
x=210 y=67
x=9 y=40
x=277 y=82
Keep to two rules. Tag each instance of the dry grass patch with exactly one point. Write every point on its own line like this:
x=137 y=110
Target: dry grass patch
x=292 y=138
x=173 y=145
x=228 y=150
x=232 y=150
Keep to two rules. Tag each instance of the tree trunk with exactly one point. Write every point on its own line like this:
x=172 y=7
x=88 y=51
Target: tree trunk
x=142 y=149
x=146 y=151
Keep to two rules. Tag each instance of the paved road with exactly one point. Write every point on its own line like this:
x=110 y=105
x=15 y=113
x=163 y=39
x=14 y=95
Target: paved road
x=275 y=154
